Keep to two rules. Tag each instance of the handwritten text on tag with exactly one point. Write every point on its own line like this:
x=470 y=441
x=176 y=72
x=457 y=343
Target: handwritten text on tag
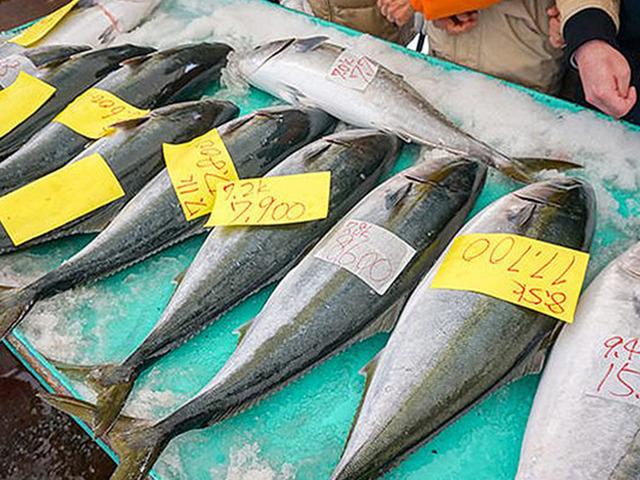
x=537 y=275
x=372 y=253
x=353 y=70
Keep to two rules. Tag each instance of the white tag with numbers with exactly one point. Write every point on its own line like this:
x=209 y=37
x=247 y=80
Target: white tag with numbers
x=372 y=253
x=354 y=70
x=11 y=66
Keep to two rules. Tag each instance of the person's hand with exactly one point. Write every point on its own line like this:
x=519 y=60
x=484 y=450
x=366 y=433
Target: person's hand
x=457 y=24
x=399 y=12
x=555 y=34
x=606 y=78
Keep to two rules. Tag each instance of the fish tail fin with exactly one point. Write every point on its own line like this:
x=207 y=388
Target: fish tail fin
x=524 y=169
x=138 y=446
x=15 y=303
x=112 y=384
x=138 y=443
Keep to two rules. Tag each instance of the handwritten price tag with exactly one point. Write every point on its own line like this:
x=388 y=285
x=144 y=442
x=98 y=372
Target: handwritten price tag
x=373 y=254
x=11 y=66
x=94 y=112
x=538 y=275
x=58 y=198
x=39 y=29
x=353 y=70
x=618 y=373
x=196 y=168
x=22 y=99
x=272 y=200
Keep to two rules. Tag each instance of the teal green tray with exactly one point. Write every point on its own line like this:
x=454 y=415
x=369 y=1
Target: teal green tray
x=298 y=432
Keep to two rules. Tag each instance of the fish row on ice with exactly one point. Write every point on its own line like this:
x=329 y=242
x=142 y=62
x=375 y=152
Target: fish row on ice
x=439 y=359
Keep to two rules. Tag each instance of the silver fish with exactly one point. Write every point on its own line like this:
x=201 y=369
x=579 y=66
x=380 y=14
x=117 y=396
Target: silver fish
x=70 y=79
x=584 y=422
x=451 y=348
x=153 y=219
x=181 y=73
x=134 y=156
x=318 y=308
x=298 y=70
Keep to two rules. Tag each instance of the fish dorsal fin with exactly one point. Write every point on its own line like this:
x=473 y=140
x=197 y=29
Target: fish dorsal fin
x=130 y=124
x=179 y=277
x=310 y=43
x=395 y=197
x=242 y=330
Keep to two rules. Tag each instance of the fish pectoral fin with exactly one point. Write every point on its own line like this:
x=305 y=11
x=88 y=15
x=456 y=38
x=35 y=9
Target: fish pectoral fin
x=385 y=322
x=242 y=330
x=134 y=61
x=369 y=368
x=129 y=124
x=295 y=97
x=310 y=43
x=179 y=277
x=394 y=198
x=107 y=36
x=534 y=362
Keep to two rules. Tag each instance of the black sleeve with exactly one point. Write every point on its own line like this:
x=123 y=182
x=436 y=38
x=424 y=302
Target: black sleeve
x=586 y=25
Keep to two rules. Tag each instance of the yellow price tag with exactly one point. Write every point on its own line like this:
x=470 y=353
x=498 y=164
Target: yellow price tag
x=538 y=275
x=22 y=99
x=272 y=200
x=39 y=29
x=94 y=112
x=58 y=198
x=195 y=169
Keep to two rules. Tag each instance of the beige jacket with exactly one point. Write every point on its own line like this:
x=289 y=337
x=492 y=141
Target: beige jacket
x=361 y=15
x=510 y=41
x=568 y=8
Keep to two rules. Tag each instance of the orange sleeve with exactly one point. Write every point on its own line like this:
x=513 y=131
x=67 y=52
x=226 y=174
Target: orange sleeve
x=435 y=9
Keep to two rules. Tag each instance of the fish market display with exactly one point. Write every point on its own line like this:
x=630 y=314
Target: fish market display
x=450 y=348
x=236 y=262
x=584 y=422
x=299 y=71
x=180 y=73
x=319 y=307
x=34 y=58
x=153 y=219
x=135 y=156
x=95 y=23
x=70 y=79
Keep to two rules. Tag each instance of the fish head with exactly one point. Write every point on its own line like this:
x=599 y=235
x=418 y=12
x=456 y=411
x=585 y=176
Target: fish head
x=569 y=201
x=253 y=60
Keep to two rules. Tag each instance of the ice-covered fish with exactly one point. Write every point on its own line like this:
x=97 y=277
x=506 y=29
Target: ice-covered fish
x=32 y=59
x=153 y=219
x=70 y=79
x=180 y=73
x=320 y=307
x=451 y=348
x=299 y=71
x=135 y=157
x=584 y=422
x=236 y=262
x=95 y=23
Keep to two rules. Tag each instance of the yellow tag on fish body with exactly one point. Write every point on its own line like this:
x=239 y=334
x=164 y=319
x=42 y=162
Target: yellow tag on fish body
x=272 y=200
x=39 y=29
x=22 y=99
x=195 y=169
x=531 y=273
x=58 y=198
x=93 y=113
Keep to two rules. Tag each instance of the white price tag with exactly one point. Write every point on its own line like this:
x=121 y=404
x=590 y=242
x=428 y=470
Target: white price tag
x=372 y=253
x=354 y=70
x=11 y=66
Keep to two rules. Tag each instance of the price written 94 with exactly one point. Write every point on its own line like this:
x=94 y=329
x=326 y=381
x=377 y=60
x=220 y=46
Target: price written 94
x=212 y=168
x=538 y=277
